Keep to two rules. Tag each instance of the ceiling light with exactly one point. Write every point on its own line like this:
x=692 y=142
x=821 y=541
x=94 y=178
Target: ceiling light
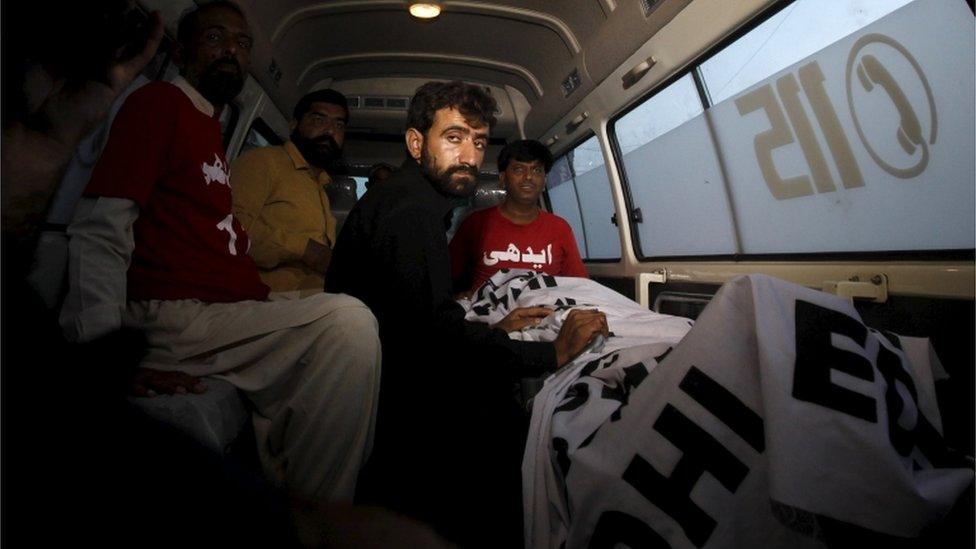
x=425 y=10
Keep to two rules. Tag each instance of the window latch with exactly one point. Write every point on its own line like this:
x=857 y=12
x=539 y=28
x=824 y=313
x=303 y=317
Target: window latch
x=636 y=215
x=864 y=286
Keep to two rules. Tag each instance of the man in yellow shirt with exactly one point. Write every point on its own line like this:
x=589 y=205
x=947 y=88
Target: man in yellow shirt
x=280 y=199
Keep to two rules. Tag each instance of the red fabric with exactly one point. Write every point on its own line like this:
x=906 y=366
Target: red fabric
x=168 y=157
x=487 y=231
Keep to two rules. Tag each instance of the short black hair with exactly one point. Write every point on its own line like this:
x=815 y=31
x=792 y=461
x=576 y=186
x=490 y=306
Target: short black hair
x=525 y=150
x=473 y=102
x=375 y=169
x=329 y=96
x=188 y=19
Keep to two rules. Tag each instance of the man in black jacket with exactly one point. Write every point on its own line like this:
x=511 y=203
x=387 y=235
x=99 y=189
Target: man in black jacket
x=449 y=434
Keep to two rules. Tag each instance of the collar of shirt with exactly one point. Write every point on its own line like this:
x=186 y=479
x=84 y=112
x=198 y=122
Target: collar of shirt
x=299 y=162
x=198 y=101
x=425 y=191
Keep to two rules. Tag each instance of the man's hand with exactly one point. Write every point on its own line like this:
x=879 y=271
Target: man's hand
x=579 y=328
x=522 y=318
x=149 y=383
x=317 y=255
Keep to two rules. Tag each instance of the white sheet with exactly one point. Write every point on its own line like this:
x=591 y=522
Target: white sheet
x=766 y=425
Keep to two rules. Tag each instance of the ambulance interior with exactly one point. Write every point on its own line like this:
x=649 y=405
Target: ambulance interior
x=696 y=140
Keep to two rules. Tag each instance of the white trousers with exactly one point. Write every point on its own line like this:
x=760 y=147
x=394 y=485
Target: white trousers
x=311 y=368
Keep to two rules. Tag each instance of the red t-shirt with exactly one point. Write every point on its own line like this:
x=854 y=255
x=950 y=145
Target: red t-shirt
x=487 y=242
x=167 y=156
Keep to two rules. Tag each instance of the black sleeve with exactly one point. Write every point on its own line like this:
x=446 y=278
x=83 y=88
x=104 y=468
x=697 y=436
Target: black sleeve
x=414 y=248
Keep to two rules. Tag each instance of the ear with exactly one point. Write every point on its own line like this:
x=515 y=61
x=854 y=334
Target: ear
x=292 y=125
x=502 y=179
x=415 y=142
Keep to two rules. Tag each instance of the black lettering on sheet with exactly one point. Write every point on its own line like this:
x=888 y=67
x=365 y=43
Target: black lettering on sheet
x=725 y=406
x=586 y=442
x=923 y=434
x=614 y=528
x=816 y=357
x=564 y=303
x=633 y=376
x=495 y=300
x=576 y=396
x=562 y=454
x=548 y=280
x=902 y=439
x=663 y=355
x=701 y=453
x=598 y=363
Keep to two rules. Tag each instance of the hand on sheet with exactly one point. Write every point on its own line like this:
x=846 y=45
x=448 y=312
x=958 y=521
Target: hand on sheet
x=149 y=383
x=579 y=329
x=523 y=317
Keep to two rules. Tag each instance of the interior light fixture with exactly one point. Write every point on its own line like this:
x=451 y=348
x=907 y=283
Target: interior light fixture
x=425 y=10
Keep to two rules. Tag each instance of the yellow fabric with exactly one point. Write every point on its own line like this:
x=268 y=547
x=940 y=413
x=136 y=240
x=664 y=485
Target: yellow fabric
x=281 y=207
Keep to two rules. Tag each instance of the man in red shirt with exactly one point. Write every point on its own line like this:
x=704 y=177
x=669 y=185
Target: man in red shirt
x=155 y=247
x=516 y=234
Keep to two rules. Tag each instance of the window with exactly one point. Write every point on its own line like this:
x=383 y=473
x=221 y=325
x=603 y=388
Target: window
x=827 y=129
x=360 y=185
x=800 y=30
x=579 y=191
x=674 y=175
x=259 y=135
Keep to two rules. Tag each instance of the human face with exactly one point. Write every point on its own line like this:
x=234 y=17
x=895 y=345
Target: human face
x=320 y=133
x=218 y=53
x=451 y=152
x=523 y=181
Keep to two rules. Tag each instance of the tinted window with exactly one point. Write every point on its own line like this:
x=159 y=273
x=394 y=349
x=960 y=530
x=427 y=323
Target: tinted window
x=259 y=135
x=841 y=126
x=579 y=191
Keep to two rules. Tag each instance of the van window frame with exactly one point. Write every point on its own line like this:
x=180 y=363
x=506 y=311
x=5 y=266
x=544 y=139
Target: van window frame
x=586 y=136
x=692 y=68
x=262 y=128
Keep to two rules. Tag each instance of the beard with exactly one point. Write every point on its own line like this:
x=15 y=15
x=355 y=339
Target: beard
x=220 y=86
x=321 y=152
x=457 y=180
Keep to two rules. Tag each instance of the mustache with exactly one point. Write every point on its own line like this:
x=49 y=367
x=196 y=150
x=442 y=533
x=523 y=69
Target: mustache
x=225 y=62
x=326 y=140
x=461 y=169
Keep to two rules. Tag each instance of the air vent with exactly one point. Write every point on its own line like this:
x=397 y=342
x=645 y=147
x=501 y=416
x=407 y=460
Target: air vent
x=375 y=102
x=571 y=83
x=353 y=101
x=648 y=6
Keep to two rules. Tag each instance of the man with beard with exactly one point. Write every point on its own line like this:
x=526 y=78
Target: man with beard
x=450 y=434
x=154 y=247
x=280 y=198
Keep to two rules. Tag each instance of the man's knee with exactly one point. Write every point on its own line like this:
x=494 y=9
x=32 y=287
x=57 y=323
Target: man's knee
x=348 y=334
x=349 y=308
x=353 y=318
